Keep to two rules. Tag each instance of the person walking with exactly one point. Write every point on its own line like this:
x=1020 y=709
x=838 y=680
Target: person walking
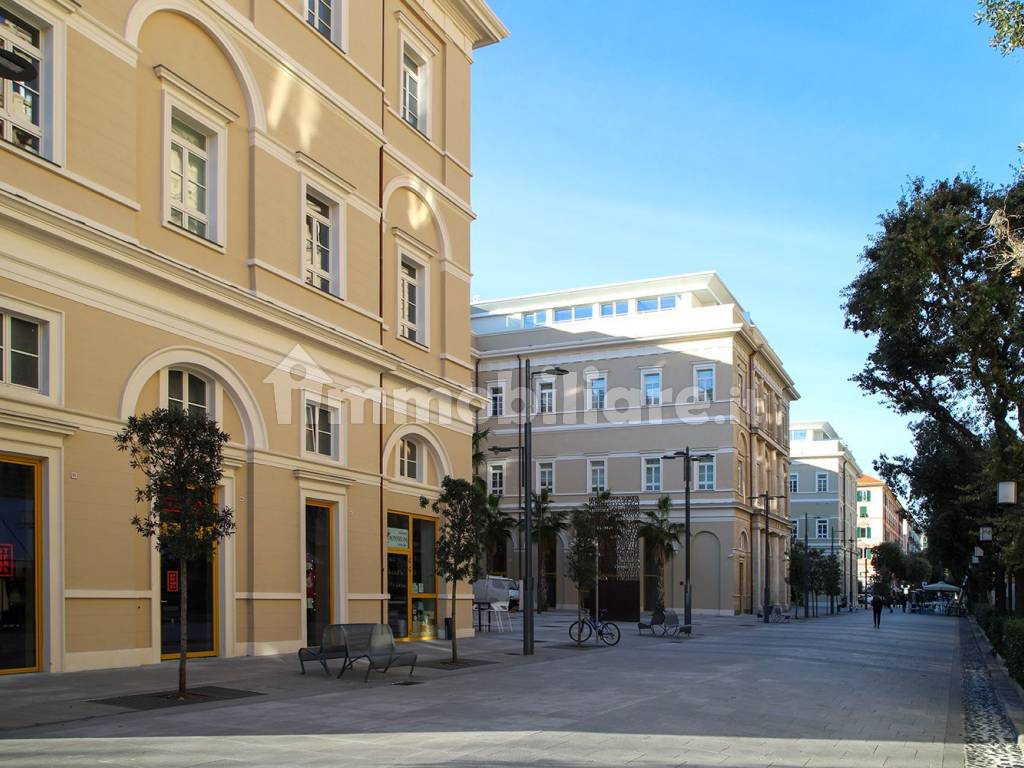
x=876 y=609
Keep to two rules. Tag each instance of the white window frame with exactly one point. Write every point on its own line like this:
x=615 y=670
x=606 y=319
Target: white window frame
x=188 y=103
x=591 y=378
x=530 y=319
x=541 y=465
x=697 y=394
x=402 y=462
x=492 y=388
x=52 y=83
x=818 y=477
x=644 y=373
x=422 y=51
x=555 y=319
x=663 y=300
x=614 y=304
x=542 y=384
x=501 y=467
x=339 y=22
x=593 y=464
x=657 y=304
x=703 y=484
x=338 y=410
x=318 y=182
x=214 y=389
x=817 y=528
x=650 y=462
x=794 y=482
x=50 y=350
x=579 y=309
x=422 y=324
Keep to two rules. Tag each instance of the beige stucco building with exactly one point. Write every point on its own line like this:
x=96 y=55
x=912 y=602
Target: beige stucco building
x=881 y=518
x=822 y=487
x=260 y=210
x=653 y=366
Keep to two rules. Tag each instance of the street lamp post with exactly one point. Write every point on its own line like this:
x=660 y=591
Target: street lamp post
x=688 y=459
x=526 y=462
x=853 y=573
x=766 y=592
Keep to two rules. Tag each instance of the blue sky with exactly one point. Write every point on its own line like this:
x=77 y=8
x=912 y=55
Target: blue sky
x=761 y=140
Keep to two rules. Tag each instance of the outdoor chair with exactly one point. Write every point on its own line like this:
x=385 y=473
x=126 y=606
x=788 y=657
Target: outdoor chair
x=381 y=653
x=332 y=646
x=657 y=620
x=499 y=612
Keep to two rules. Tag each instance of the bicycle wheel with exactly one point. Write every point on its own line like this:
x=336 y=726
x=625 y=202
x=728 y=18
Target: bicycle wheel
x=609 y=633
x=580 y=632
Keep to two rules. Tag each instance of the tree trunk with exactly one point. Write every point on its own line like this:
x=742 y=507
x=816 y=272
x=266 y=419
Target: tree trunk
x=183 y=637
x=455 y=633
x=661 y=581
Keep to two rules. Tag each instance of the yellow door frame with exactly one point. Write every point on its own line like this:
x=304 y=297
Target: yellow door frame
x=37 y=465
x=410 y=595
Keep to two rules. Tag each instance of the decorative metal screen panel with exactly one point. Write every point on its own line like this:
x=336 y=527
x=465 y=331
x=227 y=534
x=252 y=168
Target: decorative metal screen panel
x=623 y=513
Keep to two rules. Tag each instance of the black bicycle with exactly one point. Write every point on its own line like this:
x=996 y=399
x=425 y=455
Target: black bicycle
x=607 y=631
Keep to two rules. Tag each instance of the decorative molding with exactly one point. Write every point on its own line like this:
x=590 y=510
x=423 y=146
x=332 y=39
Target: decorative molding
x=307 y=163
x=413 y=242
x=71 y=176
x=322 y=477
x=106 y=38
x=176 y=82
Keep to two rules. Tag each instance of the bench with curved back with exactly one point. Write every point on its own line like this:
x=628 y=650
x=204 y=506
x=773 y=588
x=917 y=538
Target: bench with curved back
x=373 y=643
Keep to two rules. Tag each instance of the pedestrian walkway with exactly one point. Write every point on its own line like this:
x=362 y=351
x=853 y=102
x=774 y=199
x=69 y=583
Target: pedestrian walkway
x=830 y=691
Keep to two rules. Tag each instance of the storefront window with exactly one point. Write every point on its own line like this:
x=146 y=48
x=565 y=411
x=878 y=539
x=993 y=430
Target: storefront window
x=318 y=571
x=412 y=580
x=18 y=589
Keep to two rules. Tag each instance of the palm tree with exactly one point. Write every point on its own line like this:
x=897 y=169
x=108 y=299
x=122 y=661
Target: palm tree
x=498 y=527
x=661 y=534
x=479 y=458
x=547 y=523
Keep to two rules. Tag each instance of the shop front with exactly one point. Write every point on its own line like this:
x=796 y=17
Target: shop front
x=20 y=562
x=412 y=582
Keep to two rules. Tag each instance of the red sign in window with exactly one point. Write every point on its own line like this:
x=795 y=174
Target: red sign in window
x=6 y=561
x=172 y=581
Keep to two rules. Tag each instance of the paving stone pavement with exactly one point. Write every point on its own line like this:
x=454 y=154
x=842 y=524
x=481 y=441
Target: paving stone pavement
x=830 y=691
x=990 y=740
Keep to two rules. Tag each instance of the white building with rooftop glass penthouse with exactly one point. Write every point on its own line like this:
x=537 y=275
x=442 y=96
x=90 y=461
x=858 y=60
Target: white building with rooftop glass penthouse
x=653 y=366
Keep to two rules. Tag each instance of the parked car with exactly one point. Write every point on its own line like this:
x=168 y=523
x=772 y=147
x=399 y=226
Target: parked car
x=496 y=589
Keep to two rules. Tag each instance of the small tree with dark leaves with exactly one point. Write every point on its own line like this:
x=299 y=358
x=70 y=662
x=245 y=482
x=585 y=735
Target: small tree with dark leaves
x=462 y=509
x=181 y=455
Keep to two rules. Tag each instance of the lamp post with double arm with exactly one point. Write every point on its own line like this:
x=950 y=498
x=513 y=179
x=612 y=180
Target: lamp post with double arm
x=526 y=465
x=688 y=459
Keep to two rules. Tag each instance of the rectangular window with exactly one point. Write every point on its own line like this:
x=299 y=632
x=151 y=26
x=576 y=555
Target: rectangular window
x=706 y=475
x=190 y=176
x=597 y=390
x=704 y=383
x=583 y=312
x=186 y=390
x=497 y=400
x=613 y=308
x=797 y=434
x=652 y=387
x=597 y=476
x=320 y=433
x=647 y=304
x=536 y=318
x=20 y=351
x=20 y=102
x=741 y=394
x=563 y=314
x=867 y=495
x=822 y=530
x=821 y=482
x=320 y=16
x=414 y=92
x=408 y=459
x=740 y=479
x=794 y=483
x=863 y=511
x=546 y=476
x=652 y=474
x=497 y=485
x=667 y=302
x=546 y=397
x=411 y=310
x=319 y=256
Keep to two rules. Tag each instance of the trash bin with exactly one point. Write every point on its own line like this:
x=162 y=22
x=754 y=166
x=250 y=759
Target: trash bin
x=448 y=628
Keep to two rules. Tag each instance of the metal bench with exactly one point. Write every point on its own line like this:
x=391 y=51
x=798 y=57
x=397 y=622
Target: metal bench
x=657 y=620
x=332 y=646
x=672 y=627
x=376 y=644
